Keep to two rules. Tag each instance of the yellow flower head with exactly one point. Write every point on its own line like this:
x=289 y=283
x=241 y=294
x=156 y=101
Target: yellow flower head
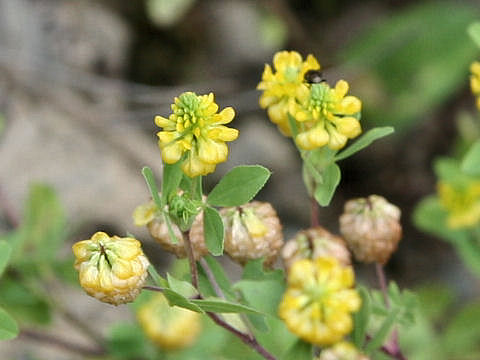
x=461 y=199
x=475 y=81
x=326 y=116
x=195 y=133
x=169 y=327
x=282 y=88
x=342 y=351
x=111 y=269
x=319 y=300
x=145 y=213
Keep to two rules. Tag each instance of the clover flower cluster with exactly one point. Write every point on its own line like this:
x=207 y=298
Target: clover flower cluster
x=323 y=116
x=195 y=133
x=461 y=200
x=319 y=300
x=111 y=269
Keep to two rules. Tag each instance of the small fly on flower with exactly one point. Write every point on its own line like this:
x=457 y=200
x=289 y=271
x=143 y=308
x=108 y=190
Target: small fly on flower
x=313 y=77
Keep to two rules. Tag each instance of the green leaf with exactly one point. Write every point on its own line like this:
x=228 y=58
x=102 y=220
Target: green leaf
x=8 y=326
x=462 y=335
x=361 y=318
x=181 y=287
x=43 y=230
x=157 y=279
x=5 y=252
x=364 y=140
x=179 y=300
x=381 y=335
x=264 y=295
x=331 y=178
x=471 y=160
x=172 y=176
x=469 y=251
x=239 y=186
x=474 y=32
x=434 y=300
x=430 y=217
x=213 y=231
x=126 y=341
x=220 y=276
x=152 y=186
x=402 y=60
x=223 y=306
x=300 y=350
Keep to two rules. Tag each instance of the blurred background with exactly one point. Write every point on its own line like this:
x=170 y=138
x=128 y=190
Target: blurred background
x=81 y=81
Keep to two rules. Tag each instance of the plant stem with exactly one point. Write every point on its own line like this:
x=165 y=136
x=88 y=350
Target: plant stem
x=211 y=278
x=382 y=282
x=152 y=288
x=191 y=259
x=392 y=348
x=247 y=339
x=61 y=343
x=313 y=212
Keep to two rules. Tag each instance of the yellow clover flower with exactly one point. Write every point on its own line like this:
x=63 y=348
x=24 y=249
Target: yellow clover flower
x=462 y=202
x=111 y=269
x=194 y=133
x=327 y=117
x=319 y=300
x=169 y=327
x=282 y=88
x=475 y=81
x=342 y=351
x=145 y=213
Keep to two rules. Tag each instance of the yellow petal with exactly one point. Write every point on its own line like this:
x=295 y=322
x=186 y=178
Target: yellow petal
x=337 y=140
x=350 y=105
x=222 y=133
x=348 y=126
x=193 y=166
x=172 y=153
x=212 y=152
x=225 y=116
x=164 y=123
x=341 y=88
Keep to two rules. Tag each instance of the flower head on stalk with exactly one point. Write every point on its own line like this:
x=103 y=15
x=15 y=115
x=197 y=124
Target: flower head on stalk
x=111 y=269
x=461 y=199
x=319 y=300
x=195 y=133
x=475 y=81
x=326 y=116
x=169 y=327
x=283 y=86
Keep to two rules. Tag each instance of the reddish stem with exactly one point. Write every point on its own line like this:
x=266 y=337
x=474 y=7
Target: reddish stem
x=314 y=212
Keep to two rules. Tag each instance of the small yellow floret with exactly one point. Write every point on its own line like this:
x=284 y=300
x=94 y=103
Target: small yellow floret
x=283 y=88
x=195 y=134
x=111 y=269
x=326 y=116
x=319 y=300
x=169 y=327
x=144 y=213
x=462 y=202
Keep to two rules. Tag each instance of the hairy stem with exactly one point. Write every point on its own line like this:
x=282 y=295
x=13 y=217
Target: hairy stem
x=211 y=278
x=191 y=259
x=313 y=212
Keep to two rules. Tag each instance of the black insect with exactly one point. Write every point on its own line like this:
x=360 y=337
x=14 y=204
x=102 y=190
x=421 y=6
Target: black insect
x=313 y=77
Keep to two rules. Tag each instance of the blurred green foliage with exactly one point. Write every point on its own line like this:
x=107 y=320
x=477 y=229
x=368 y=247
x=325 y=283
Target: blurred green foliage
x=412 y=62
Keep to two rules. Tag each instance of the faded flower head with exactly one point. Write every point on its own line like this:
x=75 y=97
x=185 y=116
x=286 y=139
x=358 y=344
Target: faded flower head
x=475 y=81
x=195 y=133
x=252 y=231
x=461 y=199
x=371 y=227
x=284 y=86
x=319 y=300
x=326 y=116
x=342 y=351
x=148 y=215
x=314 y=243
x=111 y=269
x=169 y=327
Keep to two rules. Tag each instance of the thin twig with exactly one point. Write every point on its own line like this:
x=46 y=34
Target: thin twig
x=246 y=338
x=191 y=259
x=211 y=278
x=152 y=288
x=314 y=212
x=382 y=282
x=61 y=343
